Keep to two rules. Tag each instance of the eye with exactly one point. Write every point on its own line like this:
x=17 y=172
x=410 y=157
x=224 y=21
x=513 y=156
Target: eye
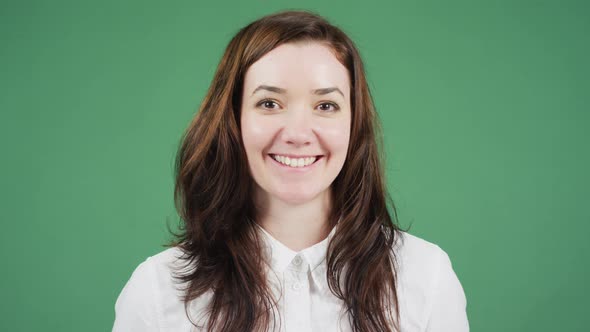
x=334 y=108
x=267 y=103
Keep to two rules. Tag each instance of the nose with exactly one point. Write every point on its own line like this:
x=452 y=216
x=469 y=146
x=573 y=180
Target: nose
x=297 y=130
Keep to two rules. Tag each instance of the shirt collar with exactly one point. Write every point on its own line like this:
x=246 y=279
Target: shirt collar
x=281 y=257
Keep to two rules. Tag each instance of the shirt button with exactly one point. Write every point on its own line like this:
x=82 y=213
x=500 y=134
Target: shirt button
x=296 y=286
x=297 y=260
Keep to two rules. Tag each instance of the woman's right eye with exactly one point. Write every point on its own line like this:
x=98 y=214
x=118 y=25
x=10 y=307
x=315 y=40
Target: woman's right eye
x=267 y=103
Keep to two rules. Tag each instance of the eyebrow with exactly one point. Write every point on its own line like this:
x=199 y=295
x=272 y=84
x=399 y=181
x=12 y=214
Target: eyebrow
x=323 y=91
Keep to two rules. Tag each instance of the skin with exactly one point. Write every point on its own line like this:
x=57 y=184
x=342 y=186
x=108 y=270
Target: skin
x=294 y=203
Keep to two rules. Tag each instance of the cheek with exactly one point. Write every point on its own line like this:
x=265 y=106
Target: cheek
x=256 y=134
x=336 y=136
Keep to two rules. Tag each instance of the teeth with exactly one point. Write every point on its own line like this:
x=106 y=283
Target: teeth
x=294 y=162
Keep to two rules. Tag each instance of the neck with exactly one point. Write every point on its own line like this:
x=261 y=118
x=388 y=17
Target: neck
x=297 y=226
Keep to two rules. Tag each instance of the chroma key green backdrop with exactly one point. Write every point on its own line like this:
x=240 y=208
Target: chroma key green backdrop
x=486 y=122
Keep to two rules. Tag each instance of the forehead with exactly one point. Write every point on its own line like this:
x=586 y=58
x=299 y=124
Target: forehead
x=298 y=66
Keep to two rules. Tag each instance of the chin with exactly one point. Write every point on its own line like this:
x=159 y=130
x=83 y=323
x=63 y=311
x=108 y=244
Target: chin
x=297 y=197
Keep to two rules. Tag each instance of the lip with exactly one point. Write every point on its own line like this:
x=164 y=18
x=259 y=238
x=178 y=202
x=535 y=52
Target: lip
x=296 y=156
x=296 y=169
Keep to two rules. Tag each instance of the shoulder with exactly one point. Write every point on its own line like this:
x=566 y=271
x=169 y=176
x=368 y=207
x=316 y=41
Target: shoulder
x=156 y=271
x=417 y=253
x=431 y=296
x=167 y=261
x=150 y=291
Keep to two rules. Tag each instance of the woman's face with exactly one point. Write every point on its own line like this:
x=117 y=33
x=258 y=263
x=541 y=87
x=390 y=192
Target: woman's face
x=295 y=121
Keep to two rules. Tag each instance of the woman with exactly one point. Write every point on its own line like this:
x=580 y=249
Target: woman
x=280 y=188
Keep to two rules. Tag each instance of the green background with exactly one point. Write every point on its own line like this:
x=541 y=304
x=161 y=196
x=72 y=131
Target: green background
x=485 y=115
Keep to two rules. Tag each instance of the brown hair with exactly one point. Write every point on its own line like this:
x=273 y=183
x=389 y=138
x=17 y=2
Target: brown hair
x=213 y=195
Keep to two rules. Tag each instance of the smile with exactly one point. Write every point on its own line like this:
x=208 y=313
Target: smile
x=295 y=162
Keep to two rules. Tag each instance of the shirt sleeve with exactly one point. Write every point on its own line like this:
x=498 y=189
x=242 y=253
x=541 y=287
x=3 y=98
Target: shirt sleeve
x=449 y=305
x=135 y=308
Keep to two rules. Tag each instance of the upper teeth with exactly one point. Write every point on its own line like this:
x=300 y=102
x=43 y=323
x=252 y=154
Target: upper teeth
x=294 y=162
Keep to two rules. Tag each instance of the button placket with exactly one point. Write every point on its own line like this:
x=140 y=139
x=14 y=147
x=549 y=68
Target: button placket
x=296 y=286
x=297 y=281
x=297 y=296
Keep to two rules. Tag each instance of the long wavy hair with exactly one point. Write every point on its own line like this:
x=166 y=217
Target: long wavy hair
x=213 y=196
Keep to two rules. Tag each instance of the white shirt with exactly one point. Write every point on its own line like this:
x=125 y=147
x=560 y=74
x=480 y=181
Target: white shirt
x=430 y=295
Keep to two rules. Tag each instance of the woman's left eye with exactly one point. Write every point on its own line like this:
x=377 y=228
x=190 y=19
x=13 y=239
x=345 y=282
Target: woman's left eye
x=334 y=107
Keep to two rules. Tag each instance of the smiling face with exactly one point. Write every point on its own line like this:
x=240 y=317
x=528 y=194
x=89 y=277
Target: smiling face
x=295 y=121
